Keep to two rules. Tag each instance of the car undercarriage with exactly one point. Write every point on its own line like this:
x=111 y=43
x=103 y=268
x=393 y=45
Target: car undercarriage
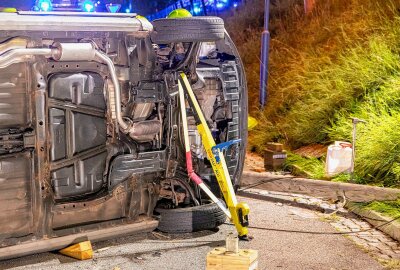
x=91 y=138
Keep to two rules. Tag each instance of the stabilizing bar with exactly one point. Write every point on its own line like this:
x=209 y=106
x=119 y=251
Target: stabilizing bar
x=189 y=166
x=238 y=211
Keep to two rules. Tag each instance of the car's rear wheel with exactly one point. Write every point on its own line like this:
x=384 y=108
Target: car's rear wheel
x=191 y=29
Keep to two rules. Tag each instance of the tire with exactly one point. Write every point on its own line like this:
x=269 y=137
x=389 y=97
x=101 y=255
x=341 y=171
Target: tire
x=193 y=29
x=190 y=219
x=243 y=132
x=244 y=114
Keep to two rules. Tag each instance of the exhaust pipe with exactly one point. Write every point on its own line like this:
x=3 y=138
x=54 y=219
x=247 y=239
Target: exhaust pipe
x=63 y=52
x=22 y=55
x=103 y=58
x=74 y=52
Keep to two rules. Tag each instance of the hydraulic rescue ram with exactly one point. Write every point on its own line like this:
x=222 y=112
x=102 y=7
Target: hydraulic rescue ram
x=238 y=212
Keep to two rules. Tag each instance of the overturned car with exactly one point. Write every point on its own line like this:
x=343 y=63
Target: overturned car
x=91 y=142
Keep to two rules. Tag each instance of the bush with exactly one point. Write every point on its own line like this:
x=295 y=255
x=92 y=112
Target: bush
x=359 y=71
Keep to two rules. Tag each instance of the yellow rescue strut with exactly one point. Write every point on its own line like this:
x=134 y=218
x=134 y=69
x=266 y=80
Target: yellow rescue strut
x=238 y=212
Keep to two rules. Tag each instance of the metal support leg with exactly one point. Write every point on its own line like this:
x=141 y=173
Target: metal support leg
x=238 y=211
x=189 y=166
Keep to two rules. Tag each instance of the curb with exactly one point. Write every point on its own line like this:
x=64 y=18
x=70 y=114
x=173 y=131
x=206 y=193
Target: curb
x=377 y=220
x=318 y=188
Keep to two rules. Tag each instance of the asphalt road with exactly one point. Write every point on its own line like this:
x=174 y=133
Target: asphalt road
x=278 y=249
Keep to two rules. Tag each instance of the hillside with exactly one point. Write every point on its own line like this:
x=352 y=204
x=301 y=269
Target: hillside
x=341 y=61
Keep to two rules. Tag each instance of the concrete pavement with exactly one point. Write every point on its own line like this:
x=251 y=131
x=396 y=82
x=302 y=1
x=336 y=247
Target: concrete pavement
x=278 y=250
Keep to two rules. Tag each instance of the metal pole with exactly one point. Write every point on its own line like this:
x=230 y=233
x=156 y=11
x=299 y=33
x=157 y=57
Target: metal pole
x=265 y=40
x=355 y=121
x=353 y=157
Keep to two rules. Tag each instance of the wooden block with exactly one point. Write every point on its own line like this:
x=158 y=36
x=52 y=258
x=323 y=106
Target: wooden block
x=276 y=147
x=232 y=243
x=219 y=259
x=276 y=165
x=270 y=155
x=274 y=160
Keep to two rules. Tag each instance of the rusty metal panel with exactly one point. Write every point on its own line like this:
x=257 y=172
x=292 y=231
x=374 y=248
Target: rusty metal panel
x=105 y=208
x=15 y=195
x=77 y=127
x=14 y=103
x=85 y=176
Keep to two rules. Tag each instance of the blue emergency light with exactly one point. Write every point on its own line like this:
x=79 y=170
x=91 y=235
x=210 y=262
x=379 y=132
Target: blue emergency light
x=88 y=6
x=113 y=8
x=196 y=10
x=45 y=5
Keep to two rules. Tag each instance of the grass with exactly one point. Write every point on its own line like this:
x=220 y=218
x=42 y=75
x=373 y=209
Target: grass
x=391 y=264
x=329 y=217
x=309 y=167
x=341 y=61
x=314 y=168
x=388 y=208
